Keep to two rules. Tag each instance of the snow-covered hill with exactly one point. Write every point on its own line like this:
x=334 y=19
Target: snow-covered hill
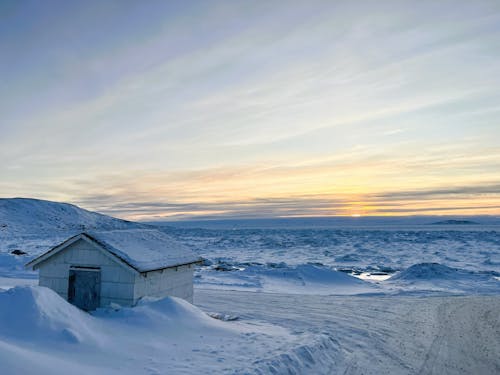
x=33 y=226
x=34 y=216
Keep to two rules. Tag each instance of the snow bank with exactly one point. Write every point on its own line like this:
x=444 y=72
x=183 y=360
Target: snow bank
x=158 y=336
x=309 y=279
x=429 y=271
x=439 y=277
x=170 y=315
x=323 y=356
x=39 y=314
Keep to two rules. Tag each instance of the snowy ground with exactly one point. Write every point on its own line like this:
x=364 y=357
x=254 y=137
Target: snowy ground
x=42 y=334
x=274 y=334
x=382 y=335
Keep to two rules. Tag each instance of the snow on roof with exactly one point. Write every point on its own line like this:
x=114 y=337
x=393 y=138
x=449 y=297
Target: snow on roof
x=144 y=249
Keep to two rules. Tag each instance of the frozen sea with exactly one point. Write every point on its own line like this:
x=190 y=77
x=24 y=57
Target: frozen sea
x=309 y=255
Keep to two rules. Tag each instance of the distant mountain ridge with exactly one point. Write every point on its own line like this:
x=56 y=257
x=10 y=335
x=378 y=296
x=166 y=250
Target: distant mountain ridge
x=26 y=216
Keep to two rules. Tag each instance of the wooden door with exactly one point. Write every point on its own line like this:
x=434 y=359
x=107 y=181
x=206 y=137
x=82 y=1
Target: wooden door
x=84 y=288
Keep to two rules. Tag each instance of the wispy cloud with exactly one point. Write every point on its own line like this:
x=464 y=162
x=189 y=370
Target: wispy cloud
x=469 y=198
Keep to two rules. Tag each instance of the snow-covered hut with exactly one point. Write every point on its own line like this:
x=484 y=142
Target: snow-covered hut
x=96 y=268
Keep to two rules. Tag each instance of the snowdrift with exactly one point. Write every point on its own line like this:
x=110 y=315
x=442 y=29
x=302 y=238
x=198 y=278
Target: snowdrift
x=37 y=326
x=39 y=314
x=170 y=315
x=439 y=277
x=34 y=313
x=429 y=271
x=281 y=278
x=324 y=356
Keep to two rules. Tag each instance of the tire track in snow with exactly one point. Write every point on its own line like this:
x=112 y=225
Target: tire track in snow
x=382 y=335
x=468 y=340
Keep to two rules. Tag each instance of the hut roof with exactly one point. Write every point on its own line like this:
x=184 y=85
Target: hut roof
x=142 y=249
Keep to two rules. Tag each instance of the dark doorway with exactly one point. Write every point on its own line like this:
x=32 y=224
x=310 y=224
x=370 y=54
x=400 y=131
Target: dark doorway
x=84 y=288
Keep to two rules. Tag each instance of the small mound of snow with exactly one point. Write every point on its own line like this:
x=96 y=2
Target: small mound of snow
x=38 y=313
x=428 y=271
x=440 y=278
x=169 y=314
x=312 y=274
x=312 y=279
x=174 y=308
x=305 y=278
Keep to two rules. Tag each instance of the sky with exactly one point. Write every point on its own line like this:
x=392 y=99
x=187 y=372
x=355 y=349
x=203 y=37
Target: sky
x=166 y=110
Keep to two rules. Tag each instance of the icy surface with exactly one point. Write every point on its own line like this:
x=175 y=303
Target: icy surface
x=273 y=258
x=144 y=249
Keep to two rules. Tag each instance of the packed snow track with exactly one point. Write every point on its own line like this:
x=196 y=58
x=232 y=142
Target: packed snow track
x=379 y=335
